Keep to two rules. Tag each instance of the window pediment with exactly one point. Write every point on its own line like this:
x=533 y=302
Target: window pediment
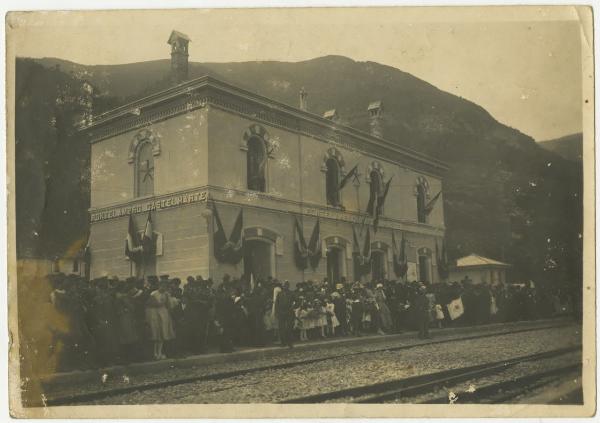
x=143 y=135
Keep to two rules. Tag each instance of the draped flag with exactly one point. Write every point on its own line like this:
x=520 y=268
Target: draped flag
x=371 y=204
x=228 y=250
x=314 y=246
x=148 y=245
x=349 y=175
x=455 y=308
x=300 y=248
x=367 y=248
x=132 y=249
x=362 y=257
x=252 y=283
x=87 y=252
x=380 y=203
x=431 y=204
x=400 y=262
x=442 y=260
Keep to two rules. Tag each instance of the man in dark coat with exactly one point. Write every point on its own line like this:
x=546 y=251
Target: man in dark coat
x=224 y=311
x=422 y=312
x=284 y=311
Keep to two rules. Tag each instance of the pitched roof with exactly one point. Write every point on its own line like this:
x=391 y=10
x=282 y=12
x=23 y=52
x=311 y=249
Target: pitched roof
x=176 y=34
x=475 y=260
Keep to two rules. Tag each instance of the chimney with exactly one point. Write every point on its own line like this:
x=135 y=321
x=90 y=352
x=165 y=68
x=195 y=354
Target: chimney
x=179 y=56
x=331 y=115
x=303 y=99
x=375 y=110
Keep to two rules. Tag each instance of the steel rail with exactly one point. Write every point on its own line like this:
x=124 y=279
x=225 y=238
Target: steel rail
x=415 y=385
x=80 y=397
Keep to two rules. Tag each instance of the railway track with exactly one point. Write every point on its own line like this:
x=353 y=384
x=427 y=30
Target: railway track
x=83 y=397
x=502 y=392
x=421 y=384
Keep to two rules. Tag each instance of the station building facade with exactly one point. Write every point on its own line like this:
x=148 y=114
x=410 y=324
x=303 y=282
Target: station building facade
x=204 y=145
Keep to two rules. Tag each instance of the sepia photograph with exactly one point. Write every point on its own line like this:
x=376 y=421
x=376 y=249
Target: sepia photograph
x=301 y=212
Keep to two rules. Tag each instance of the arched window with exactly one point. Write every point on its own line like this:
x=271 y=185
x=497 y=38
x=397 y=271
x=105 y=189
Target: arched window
x=375 y=177
x=256 y=160
x=332 y=181
x=144 y=170
x=374 y=191
x=421 y=213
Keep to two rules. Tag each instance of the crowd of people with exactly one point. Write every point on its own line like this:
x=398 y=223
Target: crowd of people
x=112 y=321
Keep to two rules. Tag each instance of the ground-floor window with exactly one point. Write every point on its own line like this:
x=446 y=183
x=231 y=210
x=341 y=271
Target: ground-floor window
x=258 y=259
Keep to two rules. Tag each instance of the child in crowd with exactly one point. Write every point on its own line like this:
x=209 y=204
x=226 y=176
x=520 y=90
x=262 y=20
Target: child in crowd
x=302 y=320
x=332 y=320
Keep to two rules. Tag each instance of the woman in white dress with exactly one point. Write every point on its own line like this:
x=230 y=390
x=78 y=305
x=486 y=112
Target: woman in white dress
x=159 y=319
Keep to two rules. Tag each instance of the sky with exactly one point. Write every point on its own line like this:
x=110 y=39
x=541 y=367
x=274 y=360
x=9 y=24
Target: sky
x=523 y=65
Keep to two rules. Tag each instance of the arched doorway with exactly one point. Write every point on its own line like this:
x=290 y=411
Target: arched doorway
x=259 y=258
x=335 y=257
x=424 y=257
x=378 y=265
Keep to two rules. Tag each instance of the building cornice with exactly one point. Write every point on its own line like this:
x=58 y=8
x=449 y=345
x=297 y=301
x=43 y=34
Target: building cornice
x=204 y=91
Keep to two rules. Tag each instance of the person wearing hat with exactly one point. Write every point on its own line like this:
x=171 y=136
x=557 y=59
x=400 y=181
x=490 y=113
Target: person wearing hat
x=385 y=317
x=103 y=323
x=193 y=314
x=422 y=311
x=339 y=303
x=284 y=310
x=126 y=323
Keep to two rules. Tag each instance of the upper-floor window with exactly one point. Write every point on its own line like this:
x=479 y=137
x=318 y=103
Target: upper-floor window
x=256 y=160
x=145 y=170
x=332 y=181
x=421 y=204
x=375 y=191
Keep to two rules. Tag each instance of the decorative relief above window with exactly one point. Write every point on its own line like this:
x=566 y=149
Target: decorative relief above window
x=374 y=167
x=143 y=135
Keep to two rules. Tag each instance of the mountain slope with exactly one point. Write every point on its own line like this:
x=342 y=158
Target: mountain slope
x=569 y=147
x=505 y=196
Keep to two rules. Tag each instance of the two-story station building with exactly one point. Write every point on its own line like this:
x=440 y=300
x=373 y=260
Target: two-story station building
x=205 y=145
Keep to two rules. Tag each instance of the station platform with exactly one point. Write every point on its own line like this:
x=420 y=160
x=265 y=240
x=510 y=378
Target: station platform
x=58 y=380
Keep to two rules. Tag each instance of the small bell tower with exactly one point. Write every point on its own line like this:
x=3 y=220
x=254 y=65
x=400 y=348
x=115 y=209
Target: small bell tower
x=179 y=56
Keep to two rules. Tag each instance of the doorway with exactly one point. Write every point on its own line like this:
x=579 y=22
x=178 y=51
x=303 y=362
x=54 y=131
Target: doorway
x=378 y=265
x=334 y=265
x=258 y=259
x=424 y=274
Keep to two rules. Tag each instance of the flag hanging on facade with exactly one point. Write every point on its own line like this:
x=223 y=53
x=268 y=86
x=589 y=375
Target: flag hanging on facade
x=232 y=251
x=228 y=250
x=442 y=260
x=431 y=204
x=87 y=252
x=148 y=245
x=372 y=204
x=348 y=176
x=219 y=237
x=400 y=262
x=361 y=256
x=300 y=248
x=380 y=204
x=314 y=246
x=251 y=282
x=367 y=248
x=132 y=249
x=456 y=308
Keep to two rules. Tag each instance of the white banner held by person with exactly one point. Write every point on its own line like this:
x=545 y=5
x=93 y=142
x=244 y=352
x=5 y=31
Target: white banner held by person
x=456 y=308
